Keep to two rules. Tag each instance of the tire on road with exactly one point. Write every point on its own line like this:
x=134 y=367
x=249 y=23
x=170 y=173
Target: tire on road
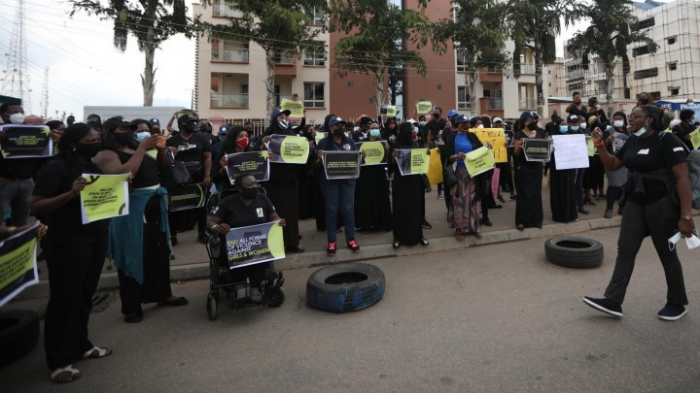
x=574 y=252
x=345 y=287
x=19 y=333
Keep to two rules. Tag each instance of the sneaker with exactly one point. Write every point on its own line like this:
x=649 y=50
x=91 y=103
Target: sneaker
x=203 y=238
x=672 y=312
x=608 y=213
x=440 y=197
x=426 y=225
x=597 y=198
x=605 y=305
x=352 y=244
x=331 y=248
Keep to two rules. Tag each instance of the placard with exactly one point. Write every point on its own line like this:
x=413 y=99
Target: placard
x=320 y=136
x=104 y=196
x=479 y=161
x=22 y=141
x=340 y=165
x=391 y=110
x=590 y=146
x=413 y=161
x=497 y=138
x=424 y=107
x=295 y=107
x=18 y=264
x=435 y=171
x=537 y=150
x=190 y=196
x=695 y=138
x=254 y=244
x=619 y=140
x=253 y=163
x=288 y=149
x=570 y=151
x=375 y=152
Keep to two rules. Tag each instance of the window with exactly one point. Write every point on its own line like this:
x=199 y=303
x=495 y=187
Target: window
x=674 y=90
x=671 y=40
x=642 y=50
x=672 y=66
x=643 y=24
x=463 y=98
x=283 y=57
x=314 y=95
x=232 y=51
x=647 y=73
x=461 y=60
x=576 y=86
x=316 y=16
x=315 y=55
x=439 y=87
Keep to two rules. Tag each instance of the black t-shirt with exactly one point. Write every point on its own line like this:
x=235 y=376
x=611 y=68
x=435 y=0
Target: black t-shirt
x=681 y=131
x=649 y=154
x=20 y=168
x=189 y=150
x=434 y=127
x=52 y=180
x=520 y=161
x=237 y=214
x=147 y=175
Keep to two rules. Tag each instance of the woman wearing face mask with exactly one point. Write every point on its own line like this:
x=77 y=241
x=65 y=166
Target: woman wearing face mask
x=645 y=98
x=658 y=204
x=372 y=204
x=236 y=141
x=685 y=128
x=408 y=197
x=75 y=252
x=577 y=108
x=528 y=176
x=562 y=190
x=616 y=178
x=139 y=242
x=594 y=178
x=306 y=179
x=467 y=193
x=194 y=150
x=390 y=131
x=594 y=109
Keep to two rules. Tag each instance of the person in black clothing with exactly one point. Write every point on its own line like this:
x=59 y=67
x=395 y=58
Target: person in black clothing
x=390 y=131
x=75 y=252
x=434 y=126
x=236 y=140
x=528 y=176
x=449 y=130
x=506 y=177
x=307 y=201
x=616 y=178
x=372 y=203
x=659 y=196
x=94 y=121
x=595 y=109
x=594 y=177
x=577 y=108
x=194 y=150
x=562 y=182
x=683 y=130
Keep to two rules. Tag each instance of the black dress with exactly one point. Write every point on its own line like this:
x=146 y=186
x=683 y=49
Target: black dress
x=407 y=197
x=562 y=190
x=372 y=205
x=528 y=182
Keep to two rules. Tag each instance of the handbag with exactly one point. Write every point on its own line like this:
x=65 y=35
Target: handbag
x=449 y=178
x=179 y=174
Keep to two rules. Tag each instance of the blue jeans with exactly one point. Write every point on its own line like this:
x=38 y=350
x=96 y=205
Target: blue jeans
x=16 y=194
x=340 y=199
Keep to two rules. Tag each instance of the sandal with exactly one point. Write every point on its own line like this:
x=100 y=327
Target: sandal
x=424 y=242
x=69 y=374
x=97 y=352
x=176 y=302
x=396 y=244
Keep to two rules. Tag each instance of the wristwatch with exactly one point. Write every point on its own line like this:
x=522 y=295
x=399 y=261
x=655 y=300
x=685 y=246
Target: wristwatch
x=687 y=218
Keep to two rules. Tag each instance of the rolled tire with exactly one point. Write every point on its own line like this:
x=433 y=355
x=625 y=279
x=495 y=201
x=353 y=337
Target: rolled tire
x=574 y=252
x=345 y=287
x=19 y=333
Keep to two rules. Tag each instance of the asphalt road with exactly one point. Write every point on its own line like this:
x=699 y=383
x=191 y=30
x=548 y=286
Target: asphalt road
x=485 y=319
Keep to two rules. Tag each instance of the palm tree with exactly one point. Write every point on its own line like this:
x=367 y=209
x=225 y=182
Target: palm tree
x=611 y=31
x=534 y=24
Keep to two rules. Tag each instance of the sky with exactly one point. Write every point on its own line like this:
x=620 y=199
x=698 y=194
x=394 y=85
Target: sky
x=86 y=69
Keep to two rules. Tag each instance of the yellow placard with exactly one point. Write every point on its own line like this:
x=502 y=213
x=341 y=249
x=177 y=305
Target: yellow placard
x=295 y=107
x=288 y=149
x=590 y=146
x=15 y=264
x=479 y=161
x=420 y=161
x=104 y=196
x=375 y=152
x=435 y=170
x=391 y=110
x=424 y=107
x=153 y=153
x=695 y=138
x=497 y=138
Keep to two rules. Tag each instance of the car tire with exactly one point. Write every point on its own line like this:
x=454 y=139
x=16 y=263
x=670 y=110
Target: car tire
x=345 y=287
x=19 y=333
x=574 y=252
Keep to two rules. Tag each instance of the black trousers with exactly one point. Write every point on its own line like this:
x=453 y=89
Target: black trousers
x=75 y=263
x=506 y=177
x=660 y=221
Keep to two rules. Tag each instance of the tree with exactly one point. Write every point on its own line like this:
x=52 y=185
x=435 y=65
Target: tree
x=534 y=24
x=478 y=36
x=280 y=27
x=377 y=34
x=611 y=31
x=151 y=22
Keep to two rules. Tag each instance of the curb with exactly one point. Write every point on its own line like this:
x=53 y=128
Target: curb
x=196 y=271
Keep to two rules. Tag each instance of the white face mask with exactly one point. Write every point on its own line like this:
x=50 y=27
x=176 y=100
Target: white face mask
x=583 y=126
x=619 y=123
x=480 y=126
x=17 y=118
x=641 y=131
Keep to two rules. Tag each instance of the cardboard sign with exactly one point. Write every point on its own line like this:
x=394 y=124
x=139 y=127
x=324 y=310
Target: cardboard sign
x=590 y=146
x=286 y=149
x=18 y=264
x=424 y=107
x=413 y=161
x=295 y=107
x=570 y=151
x=538 y=150
x=695 y=138
x=497 y=138
x=104 y=196
x=340 y=165
x=435 y=172
x=375 y=152
x=479 y=161
x=254 y=244
x=190 y=196
x=22 y=141
x=391 y=111
x=253 y=163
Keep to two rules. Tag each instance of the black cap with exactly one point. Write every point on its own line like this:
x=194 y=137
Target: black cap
x=115 y=122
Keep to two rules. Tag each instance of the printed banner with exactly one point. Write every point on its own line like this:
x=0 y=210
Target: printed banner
x=254 y=244
x=342 y=164
x=424 y=107
x=391 y=111
x=26 y=141
x=479 y=161
x=320 y=136
x=695 y=138
x=570 y=151
x=295 y=107
x=413 y=161
x=104 y=196
x=435 y=172
x=497 y=138
x=18 y=264
x=254 y=163
x=619 y=140
x=288 y=149
x=375 y=152
x=190 y=196
x=539 y=150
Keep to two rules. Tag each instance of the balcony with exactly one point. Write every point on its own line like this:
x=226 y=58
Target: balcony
x=599 y=76
x=229 y=100
x=231 y=56
x=527 y=69
x=490 y=74
x=285 y=65
x=464 y=105
x=495 y=104
x=224 y=10
x=573 y=75
x=525 y=104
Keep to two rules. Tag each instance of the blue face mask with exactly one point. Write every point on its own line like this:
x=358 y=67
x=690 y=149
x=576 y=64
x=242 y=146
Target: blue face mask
x=415 y=129
x=564 y=129
x=374 y=133
x=574 y=128
x=422 y=122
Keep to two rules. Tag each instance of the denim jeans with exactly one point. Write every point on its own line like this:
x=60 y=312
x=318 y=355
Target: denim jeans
x=16 y=194
x=340 y=200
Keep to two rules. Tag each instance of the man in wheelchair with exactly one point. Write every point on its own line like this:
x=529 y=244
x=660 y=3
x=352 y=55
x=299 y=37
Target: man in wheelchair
x=247 y=207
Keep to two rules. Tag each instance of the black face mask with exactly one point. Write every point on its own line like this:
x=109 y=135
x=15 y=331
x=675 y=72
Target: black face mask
x=436 y=115
x=644 y=101
x=249 y=193
x=88 y=150
x=339 y=132
x=532 y=125
x=124 y=139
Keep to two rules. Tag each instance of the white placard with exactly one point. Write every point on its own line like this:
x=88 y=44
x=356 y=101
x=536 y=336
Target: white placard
x=570 y=151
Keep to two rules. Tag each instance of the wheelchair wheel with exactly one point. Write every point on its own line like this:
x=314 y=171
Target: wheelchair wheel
x=211 y=306
x=277 y=298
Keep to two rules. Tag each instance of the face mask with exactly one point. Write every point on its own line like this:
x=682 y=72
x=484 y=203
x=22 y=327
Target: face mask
x=374 y=133
x=243 y=142
x=422 y=122
x=205 y=128
x=574 y=128
x=249 y=193
x=480 y=126
x=641 y=131
x=142 y=135
x=619 y=123
x=583 y=126
x=532 y=125
x=17 y=118
x=88 y=150
x=194 y=128
x=123 y=139
x=644 y=101
x=284 y=124
x=564 y=129
x=415 y=130
x=338 y=132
